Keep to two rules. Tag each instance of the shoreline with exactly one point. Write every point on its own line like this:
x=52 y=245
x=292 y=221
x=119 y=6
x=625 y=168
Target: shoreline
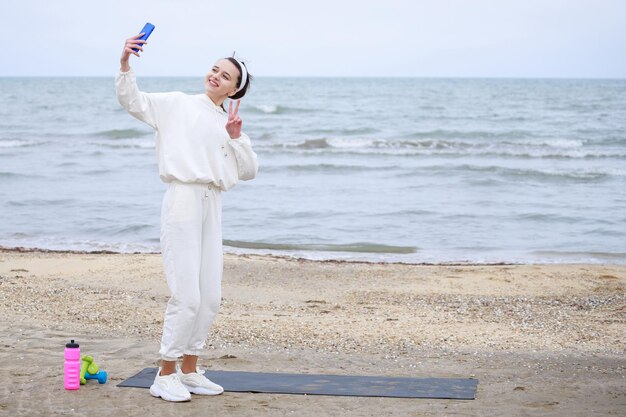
x=23 y=249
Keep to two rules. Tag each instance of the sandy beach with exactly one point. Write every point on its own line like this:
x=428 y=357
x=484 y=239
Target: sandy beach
x=541 y=339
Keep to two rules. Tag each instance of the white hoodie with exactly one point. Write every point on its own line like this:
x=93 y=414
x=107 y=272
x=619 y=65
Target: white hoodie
x=191 y=139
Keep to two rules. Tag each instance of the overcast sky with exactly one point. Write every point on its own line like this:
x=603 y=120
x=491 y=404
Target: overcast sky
x=422 y=38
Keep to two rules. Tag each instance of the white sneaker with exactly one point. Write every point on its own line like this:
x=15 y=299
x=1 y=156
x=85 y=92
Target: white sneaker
x=197 y=383
x=169 y=388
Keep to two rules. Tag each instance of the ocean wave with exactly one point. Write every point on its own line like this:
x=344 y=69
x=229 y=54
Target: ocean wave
x=75 y=245
x=5 y=174
x=313 y=144
x=276 y=109
x=547 y=142
x=68 y=164
x=129 y=229
x=548 y=154
x=541 y=148
x=435 y=144
x=469 y=134
x=326 y=143
x=360 y=247
x=548 y=218
x=127 y=144
x=97 y=172
x=504 y=144
x=613 y=140
x=553 y=173
x=323 y=167
x=20 y=143
x=580 y=256
x=41 y=202
x=122 y=133
x=341 y=132
x=530 y=173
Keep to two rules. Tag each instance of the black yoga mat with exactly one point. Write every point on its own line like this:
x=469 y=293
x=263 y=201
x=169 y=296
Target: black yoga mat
x=343 y=385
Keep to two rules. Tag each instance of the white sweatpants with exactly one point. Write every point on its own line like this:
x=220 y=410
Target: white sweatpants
x=191 y=246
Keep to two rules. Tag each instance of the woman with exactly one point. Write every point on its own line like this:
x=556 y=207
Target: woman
x=201 y=152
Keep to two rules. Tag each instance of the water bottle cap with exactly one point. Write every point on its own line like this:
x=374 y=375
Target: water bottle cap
x=72 y=344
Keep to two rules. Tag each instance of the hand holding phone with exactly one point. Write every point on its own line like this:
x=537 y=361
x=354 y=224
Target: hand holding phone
x=147 y=31
x=133 y=45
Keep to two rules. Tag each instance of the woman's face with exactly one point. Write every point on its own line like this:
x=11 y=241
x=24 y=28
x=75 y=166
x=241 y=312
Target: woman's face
x=222 y=78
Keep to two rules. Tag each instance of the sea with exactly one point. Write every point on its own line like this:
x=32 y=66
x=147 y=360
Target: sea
x=412 y=170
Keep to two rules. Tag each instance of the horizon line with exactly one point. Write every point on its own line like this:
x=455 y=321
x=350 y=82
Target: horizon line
x=345 y=76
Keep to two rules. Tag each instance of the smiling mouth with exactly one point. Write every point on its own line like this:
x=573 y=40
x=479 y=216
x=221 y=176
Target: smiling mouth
x=213 y=83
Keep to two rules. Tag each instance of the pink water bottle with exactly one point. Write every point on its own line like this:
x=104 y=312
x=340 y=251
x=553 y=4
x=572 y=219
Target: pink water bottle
x=71 y=371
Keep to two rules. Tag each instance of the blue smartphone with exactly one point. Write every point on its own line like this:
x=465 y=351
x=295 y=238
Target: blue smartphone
x=147 y=30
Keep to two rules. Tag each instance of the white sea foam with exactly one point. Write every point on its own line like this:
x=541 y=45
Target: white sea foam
x=20 y=143
x=267 y=108
x=126 y=143
x=71 y=244
x=558 y=148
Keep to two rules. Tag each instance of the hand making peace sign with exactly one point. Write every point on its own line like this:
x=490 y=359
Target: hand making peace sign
x=233 y=126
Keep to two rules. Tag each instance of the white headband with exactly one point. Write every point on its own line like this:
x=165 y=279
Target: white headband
x=244 y=74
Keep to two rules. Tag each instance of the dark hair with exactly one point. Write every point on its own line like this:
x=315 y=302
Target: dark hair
x=244 y=90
